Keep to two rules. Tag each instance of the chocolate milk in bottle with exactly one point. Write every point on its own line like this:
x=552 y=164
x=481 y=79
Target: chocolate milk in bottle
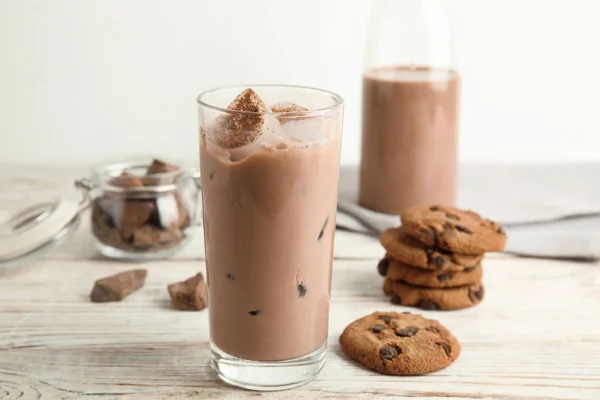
x=410 y=115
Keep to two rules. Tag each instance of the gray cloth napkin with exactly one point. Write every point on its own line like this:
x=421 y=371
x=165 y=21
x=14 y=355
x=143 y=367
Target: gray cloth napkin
x=548 y=211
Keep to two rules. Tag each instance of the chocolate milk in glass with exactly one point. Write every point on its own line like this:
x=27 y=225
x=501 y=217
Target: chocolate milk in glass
x=269 y=184
x=410 y=138
x=410 y=107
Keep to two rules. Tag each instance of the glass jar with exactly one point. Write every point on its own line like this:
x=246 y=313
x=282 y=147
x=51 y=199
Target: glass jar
x=141 y=209
x=410 y=107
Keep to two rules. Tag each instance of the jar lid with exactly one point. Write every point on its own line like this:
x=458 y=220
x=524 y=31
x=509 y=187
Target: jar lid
x=36 y=228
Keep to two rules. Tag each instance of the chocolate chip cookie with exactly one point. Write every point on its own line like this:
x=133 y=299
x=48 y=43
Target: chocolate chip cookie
x=410 y=251
x=433 y=279
x=453 y=229
x=399 y=344
x=456 y=298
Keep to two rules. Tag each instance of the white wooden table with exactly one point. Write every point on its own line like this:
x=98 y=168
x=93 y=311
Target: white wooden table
x=535 y=336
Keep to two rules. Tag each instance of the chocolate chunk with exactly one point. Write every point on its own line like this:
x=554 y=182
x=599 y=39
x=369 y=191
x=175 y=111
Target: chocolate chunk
x=160 y=167
x=406 y=312
x=383 y=266
x=230 y=276
x=132 y=223
x=157 y=167
x=428 y=232
x=323 y=229
x=407 y=332
x=301 y=289
x=386 y=319
x=447 y=348
x=135 y=213
x=396 y=299
x=432 y=329
x=461 y=228
x=443 y=278
x=108 y=236
x=501 y=231
x=119 y=286
x=126 y=181
x=189 y=295
x=149 y=237
x=434 y=208
x=254 y=312
x=389 y=352
x=377 y=328
x=452 y=216
x=470 y=269
x=438 y=262
x=448 y=227
x=102 y=210
x=428 y=305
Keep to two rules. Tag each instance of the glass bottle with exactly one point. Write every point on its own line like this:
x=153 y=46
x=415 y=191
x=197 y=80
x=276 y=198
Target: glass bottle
x=410 y=107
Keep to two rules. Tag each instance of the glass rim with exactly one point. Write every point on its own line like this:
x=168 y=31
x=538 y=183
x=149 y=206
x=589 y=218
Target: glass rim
x=339 y=101
x=102 y=173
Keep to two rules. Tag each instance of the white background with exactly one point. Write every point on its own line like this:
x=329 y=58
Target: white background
x=83 y=80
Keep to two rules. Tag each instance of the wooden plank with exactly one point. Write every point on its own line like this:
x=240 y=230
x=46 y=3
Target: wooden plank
x=535 y=336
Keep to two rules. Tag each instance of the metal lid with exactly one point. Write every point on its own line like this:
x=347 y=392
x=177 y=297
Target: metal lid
x=37 y=228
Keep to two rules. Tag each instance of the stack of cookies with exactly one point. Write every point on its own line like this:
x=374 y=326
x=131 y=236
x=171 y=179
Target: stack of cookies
x=433 y=260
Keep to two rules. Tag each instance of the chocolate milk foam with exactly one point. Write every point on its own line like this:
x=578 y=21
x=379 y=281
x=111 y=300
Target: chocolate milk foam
x=269 y=215
x=410 y=138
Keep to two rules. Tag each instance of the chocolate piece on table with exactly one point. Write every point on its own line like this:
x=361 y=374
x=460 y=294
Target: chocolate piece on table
x=119 y=286
x=160 y=167
x=189 y=295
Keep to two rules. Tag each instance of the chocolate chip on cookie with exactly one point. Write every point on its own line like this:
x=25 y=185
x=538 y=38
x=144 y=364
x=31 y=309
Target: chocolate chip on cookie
x=408 y=250
x=452 y=298
x=383 y=266
x=389 y=352
x=434 y=279
x=476 y=294
x=408 y=344
x=452 y=229
x=395 y=299
x=407 y=332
